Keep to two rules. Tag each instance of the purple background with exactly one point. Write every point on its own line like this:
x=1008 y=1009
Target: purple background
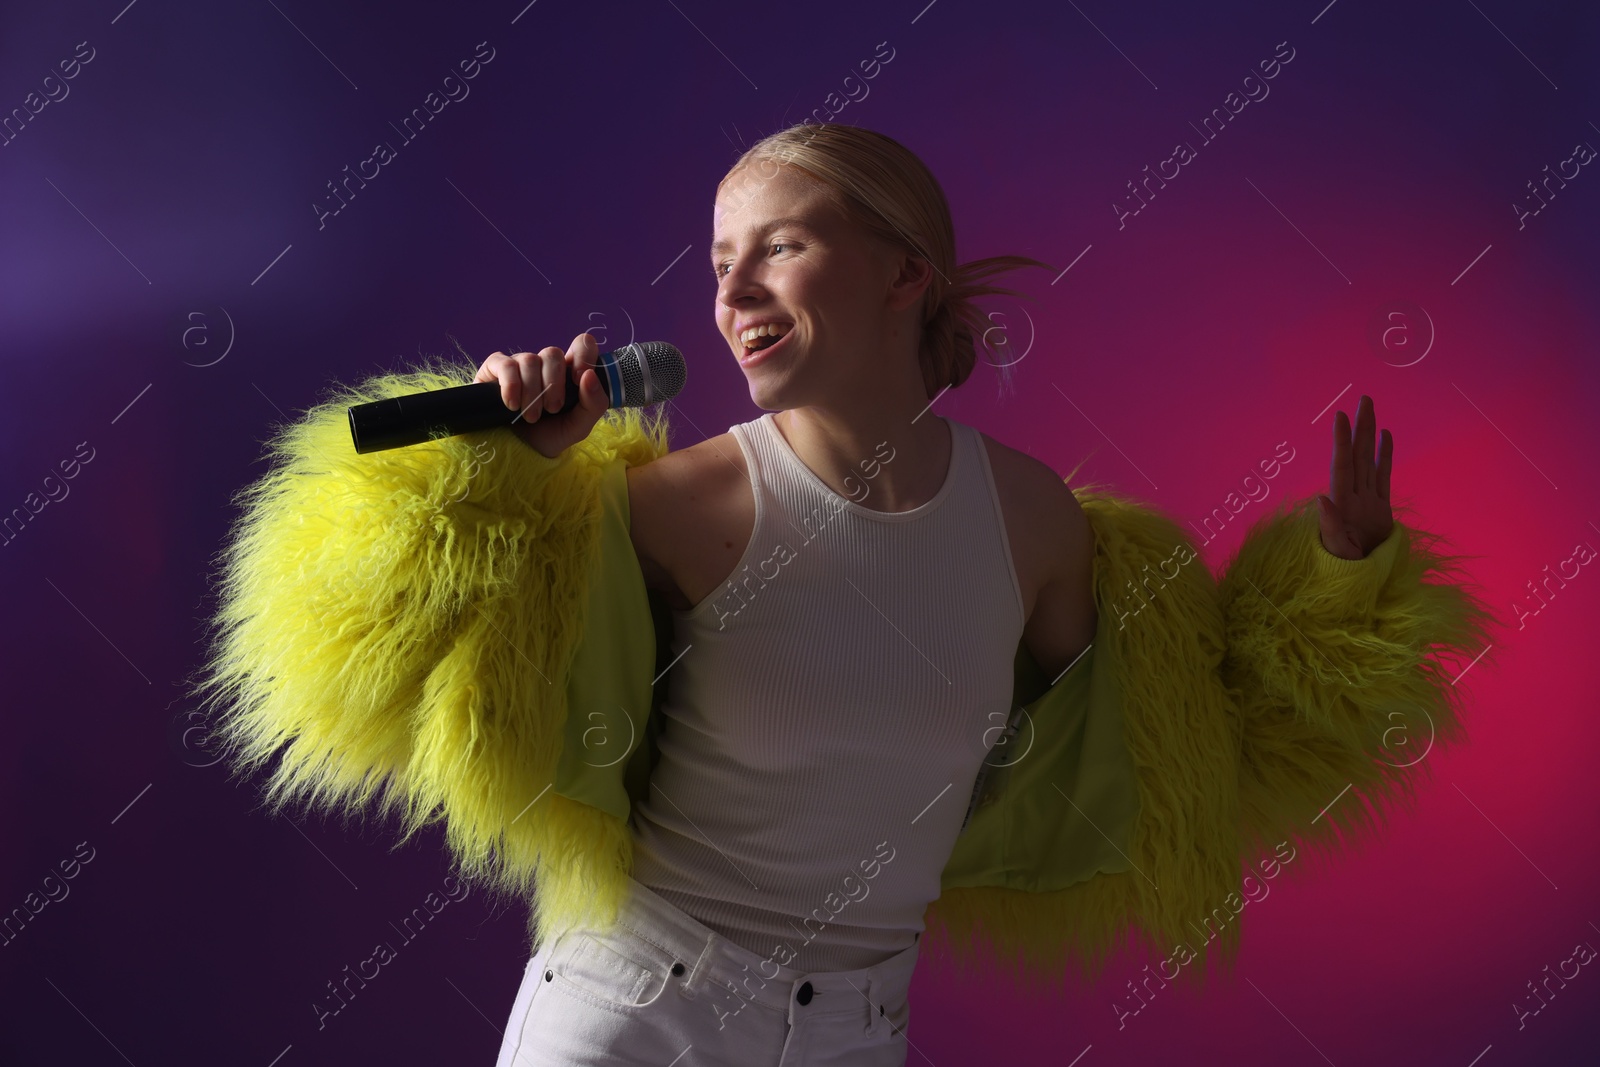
x=172 y=191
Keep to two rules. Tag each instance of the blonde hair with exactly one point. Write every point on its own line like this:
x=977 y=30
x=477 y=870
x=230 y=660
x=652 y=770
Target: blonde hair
x=880 y=185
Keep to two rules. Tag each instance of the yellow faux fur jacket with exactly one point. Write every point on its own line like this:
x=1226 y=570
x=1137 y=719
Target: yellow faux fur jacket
x=458 y=632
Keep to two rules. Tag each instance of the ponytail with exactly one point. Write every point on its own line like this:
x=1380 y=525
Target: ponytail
x=953 y=327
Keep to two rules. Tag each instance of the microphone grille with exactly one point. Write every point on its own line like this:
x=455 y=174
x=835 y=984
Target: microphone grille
x=650 y=371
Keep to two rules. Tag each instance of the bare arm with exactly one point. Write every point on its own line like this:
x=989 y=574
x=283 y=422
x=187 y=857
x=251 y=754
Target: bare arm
x=644 y=529
x=1064 y=615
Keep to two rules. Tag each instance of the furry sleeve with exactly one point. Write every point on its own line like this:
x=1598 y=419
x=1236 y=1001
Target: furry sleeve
x=1347 y=674
x=397 y=629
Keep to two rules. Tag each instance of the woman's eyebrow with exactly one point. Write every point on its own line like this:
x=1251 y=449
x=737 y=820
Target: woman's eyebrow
x=799 y=223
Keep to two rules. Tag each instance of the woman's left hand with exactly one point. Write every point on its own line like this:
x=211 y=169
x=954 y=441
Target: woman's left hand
x=1355 y=516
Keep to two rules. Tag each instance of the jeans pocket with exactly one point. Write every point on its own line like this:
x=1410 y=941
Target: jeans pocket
x=614 y=966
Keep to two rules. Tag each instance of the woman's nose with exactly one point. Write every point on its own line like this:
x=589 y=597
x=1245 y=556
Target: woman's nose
x=740 y=282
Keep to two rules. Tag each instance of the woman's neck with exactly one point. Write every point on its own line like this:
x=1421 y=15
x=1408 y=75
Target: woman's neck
x=879 y=456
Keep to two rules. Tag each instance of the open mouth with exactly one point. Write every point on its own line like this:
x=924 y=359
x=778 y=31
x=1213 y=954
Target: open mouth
x=770 y=337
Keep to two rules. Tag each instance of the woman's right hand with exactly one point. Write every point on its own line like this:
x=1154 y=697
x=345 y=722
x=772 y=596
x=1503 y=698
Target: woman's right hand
x=535 y=383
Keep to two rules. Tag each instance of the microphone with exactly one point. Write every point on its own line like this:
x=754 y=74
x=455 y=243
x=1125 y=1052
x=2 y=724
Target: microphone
x=632 y=376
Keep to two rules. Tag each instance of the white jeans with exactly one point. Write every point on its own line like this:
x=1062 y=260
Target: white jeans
x=661 y=989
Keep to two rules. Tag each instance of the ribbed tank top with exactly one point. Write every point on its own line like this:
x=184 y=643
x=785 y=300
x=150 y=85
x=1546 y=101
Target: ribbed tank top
x=829 y=708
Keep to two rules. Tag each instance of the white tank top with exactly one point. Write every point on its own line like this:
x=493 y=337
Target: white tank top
x=834 y=701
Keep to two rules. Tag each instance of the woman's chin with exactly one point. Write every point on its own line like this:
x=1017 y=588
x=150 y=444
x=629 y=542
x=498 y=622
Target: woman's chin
x=766 y=393
x=763 y=396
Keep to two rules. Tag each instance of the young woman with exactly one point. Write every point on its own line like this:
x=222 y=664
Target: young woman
x=849 y=577
x=735 y=720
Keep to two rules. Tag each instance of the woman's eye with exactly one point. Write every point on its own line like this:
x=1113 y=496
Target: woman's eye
x=719 y=268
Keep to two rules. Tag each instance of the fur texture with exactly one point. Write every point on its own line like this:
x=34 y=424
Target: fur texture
x=1346 y=675
x=1249 y=705
x=395 y=628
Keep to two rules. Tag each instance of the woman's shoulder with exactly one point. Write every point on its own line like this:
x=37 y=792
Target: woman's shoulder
x=689 y=472
x=1049 y=533
x=1031 y=484
x=690 y=511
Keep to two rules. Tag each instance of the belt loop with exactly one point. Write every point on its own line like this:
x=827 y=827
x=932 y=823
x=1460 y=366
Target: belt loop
x=702 y=966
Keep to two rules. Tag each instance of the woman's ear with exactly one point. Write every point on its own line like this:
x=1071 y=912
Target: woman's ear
x=913 y=275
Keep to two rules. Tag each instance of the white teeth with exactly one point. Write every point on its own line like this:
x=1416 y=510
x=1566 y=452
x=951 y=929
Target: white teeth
x=776 y=329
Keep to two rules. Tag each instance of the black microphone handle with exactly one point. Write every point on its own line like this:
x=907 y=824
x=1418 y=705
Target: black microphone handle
x=397 y=421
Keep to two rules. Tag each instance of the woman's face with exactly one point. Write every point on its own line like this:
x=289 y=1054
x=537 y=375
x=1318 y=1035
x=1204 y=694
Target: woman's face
x=784 y=254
